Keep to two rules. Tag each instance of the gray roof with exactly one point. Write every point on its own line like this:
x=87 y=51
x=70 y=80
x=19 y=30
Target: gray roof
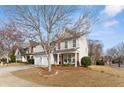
x=22 y=50
x=65 y=50
x=39 y=53
x=58 y=51
x=33 y=43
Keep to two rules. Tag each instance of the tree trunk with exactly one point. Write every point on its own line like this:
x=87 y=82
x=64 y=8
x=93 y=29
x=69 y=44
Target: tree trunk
x=49 y=51
x=119 y=62
x=7 y=59
x=49 y=62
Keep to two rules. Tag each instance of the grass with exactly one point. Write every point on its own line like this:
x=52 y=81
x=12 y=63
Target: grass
x=109 y=70
x=72 y=77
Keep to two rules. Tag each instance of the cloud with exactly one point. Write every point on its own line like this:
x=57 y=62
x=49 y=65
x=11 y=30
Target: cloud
x=111 y=23
x=112 y=10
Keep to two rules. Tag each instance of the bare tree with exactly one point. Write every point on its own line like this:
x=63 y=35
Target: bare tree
x=117 y=52
x=48 y=23
x=10 y=36
x=1 y=44
x=95 y=50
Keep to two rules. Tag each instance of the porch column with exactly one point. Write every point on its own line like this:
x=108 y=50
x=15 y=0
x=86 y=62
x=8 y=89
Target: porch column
x=75 y=59
x=58 y=58
x=79 y=59
x=67 y=58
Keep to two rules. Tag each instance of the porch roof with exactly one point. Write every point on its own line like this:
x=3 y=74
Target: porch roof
x=66 y=50
x=39 y=53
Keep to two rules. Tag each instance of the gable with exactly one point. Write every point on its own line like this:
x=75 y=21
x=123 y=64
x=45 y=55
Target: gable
x=17 y=52
x=38 y=48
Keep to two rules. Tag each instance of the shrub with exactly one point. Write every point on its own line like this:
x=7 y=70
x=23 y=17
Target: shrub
x=12 y=56
x=31 y=61
x=4 y=60
x=100 y=62
x=54 y=65
x=85 y=61
x=67 y=65
x=12 y=59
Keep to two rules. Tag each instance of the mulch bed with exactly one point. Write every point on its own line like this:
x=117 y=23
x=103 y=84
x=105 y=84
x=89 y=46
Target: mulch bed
x=44 y=70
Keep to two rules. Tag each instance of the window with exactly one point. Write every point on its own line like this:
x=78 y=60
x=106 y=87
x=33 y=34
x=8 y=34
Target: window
x=31 y=57
x=58 y=45
x=18 y=53
x=31 y=49
x=69 y=58
x=66 y=44
x=40 y=59
x=28 y=51
x=74 y=42
x=28 y=57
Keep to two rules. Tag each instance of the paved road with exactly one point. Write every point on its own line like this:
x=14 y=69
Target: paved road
x=116 y=65
x=9 y=80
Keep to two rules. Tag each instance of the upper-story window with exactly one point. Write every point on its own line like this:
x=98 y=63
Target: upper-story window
x=74 y=42
x=66 y=44
x=31 y=49
x=18 y=53
x=28 y=50
x=59 y=46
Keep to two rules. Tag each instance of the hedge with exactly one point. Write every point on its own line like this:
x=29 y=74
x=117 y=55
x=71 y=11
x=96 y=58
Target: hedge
x=85 y=61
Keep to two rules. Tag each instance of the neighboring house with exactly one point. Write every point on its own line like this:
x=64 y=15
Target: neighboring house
x=24 y=54
x=4 y=56
x=21 y=55
x=69 y=51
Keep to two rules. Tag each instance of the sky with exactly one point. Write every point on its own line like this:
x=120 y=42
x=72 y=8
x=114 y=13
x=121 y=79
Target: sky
x=110 y=27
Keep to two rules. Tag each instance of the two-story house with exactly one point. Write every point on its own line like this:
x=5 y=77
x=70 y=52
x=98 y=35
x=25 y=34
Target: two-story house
x=70 y=50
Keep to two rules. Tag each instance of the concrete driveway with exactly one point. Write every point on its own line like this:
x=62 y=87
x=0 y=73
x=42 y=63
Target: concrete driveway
x=9 y=80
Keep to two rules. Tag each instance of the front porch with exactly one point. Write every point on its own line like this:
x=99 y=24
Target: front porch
x=67 y=58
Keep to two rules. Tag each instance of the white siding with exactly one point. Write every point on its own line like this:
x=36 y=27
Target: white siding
x=18 y=55
x=70 y=44
x=38 y=49
x=41 y=60
x=24 y=59
x=83 y=50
